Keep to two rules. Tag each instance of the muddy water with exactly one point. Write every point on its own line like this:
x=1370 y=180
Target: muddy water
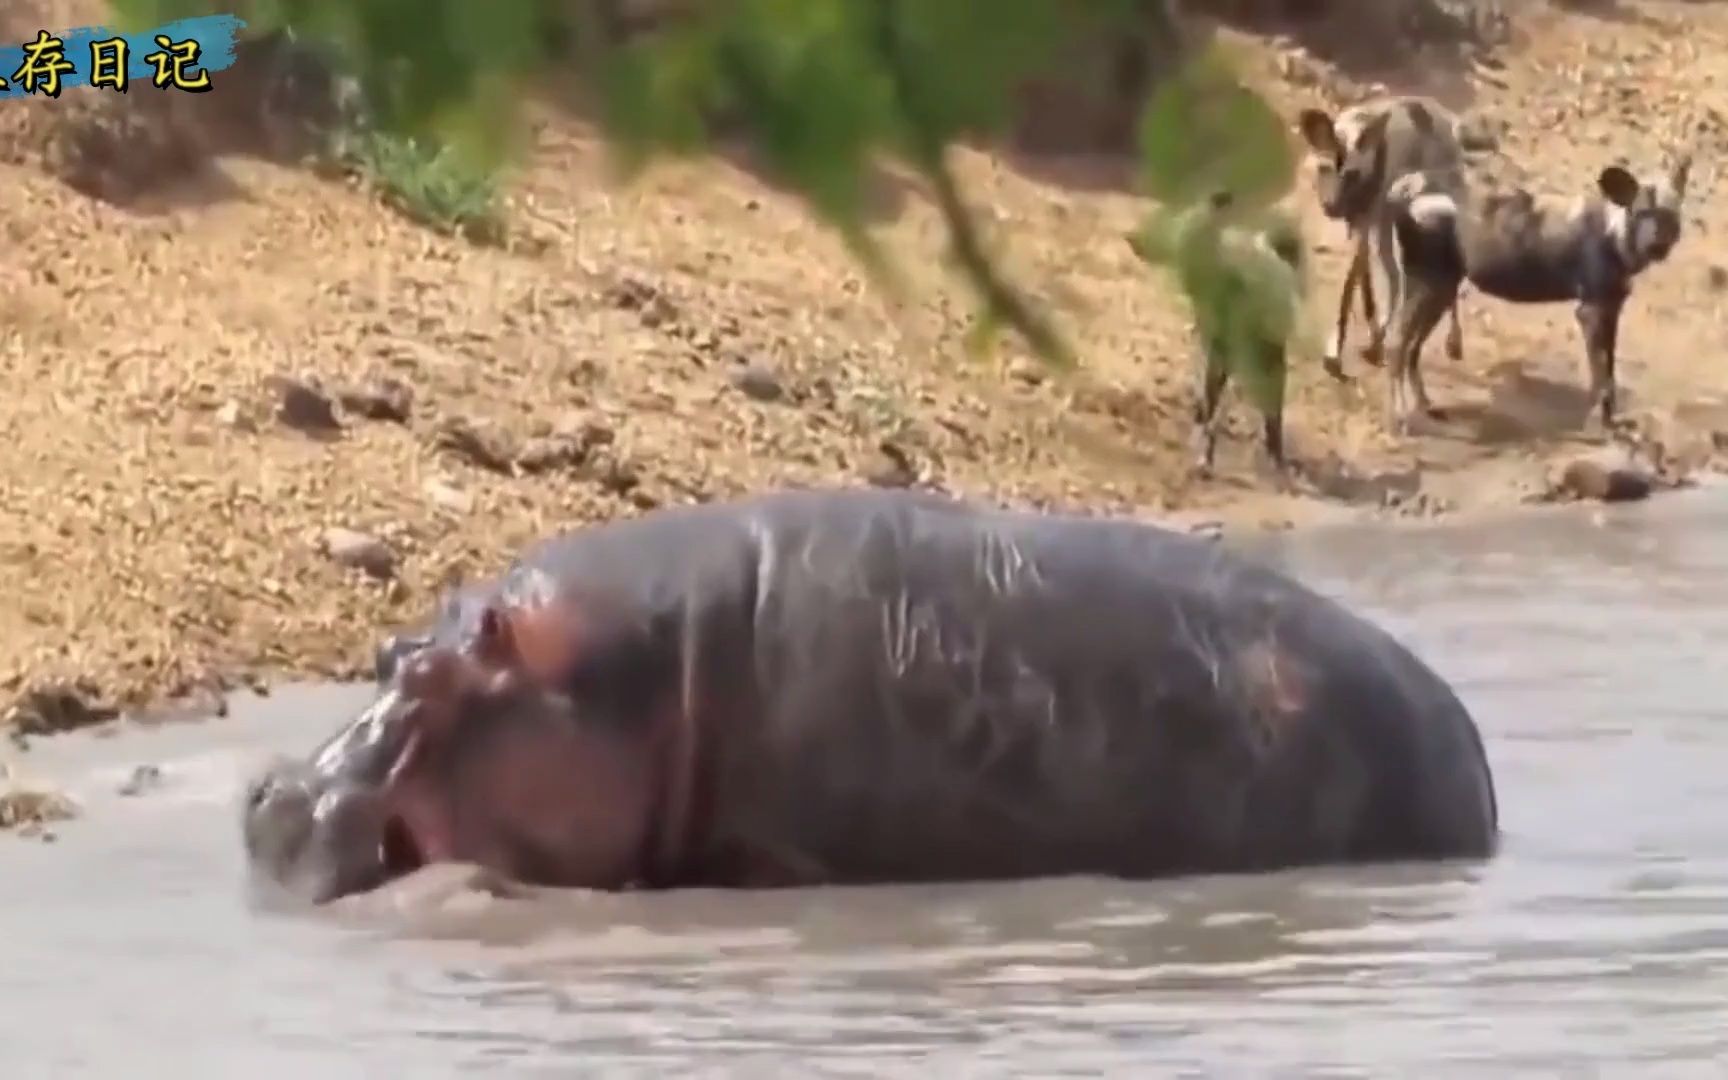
x=1592 y=652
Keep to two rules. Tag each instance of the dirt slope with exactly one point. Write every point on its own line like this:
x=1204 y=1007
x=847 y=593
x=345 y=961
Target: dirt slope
x=160 y=525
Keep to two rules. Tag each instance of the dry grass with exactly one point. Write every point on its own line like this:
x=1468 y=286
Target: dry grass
x=160 y=525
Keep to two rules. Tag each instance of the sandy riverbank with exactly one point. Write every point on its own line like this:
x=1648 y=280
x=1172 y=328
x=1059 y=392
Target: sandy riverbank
x=176 y=471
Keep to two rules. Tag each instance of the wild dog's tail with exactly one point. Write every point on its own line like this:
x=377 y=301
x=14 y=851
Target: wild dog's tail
x=1424 y=223
x=1417 y=196
x=1400 y=192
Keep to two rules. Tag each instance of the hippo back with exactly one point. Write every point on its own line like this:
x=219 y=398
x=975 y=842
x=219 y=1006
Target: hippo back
x=934 y=686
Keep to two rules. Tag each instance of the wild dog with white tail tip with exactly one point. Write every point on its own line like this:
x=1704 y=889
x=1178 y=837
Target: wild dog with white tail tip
x=1354 y=159
x=1529 y=248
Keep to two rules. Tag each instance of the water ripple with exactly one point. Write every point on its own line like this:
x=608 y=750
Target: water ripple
x=1596 y=939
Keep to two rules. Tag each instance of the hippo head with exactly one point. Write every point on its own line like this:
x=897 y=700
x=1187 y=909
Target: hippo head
x=487 y=751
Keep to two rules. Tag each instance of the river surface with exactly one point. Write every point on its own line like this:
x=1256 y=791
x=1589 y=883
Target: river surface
x=1593 y=648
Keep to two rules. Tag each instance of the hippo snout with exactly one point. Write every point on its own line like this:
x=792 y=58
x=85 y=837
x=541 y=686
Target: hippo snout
x=321 y=840
x=278 y=816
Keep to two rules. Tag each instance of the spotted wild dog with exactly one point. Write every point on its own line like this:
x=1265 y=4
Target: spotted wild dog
x=1354 y=159
x=1249 y=291
x=1526 y=247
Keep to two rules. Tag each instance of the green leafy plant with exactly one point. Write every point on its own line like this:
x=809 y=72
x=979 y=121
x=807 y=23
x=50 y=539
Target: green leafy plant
x=429 y=183
x=1217 y=162
x=819 y=88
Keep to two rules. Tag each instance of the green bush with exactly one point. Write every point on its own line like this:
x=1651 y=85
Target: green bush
x=428 y=183
x=820 y=88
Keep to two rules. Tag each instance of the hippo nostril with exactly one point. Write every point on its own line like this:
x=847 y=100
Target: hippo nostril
x=277 y=820
x=271 y=796
x=264 y=788
x=398 y=852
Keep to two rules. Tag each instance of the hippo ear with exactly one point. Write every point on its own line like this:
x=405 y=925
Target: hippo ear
x=537 y=639
x=494 y=641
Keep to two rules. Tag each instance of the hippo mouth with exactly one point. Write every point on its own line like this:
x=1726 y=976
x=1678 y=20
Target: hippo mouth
x=408 y=838
x=400 y=851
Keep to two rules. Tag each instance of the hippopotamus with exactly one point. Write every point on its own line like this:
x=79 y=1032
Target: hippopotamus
x=870 y=687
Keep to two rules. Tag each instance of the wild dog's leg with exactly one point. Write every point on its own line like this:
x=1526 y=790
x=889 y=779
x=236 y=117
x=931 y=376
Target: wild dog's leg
x=1599 y=319
x=1611 y=353
x=1437 y=298
x=1447 y=290
x=1370 y=313
x=1432 y=275
x=1273 y=433
x=1270 y=386
x=1214 y=374
x=1386 y=250
x=1356 y=273
x=1404 y=326
x=1455 y=333
x=1413 y=369
x=1425 y=301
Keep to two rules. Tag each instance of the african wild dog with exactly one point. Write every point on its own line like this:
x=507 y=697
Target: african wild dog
x=1355 y=158
x=1528 y=248
x=1248 y=298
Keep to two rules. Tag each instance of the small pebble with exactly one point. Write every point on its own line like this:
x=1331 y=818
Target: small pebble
x=757 y=383
x=483 y=446
x=388 y=400
x=1605 y=480
x=892 y=468
x=304 y=407
x=143 y=779
x=448 y=496
x=359 y=550
x=230 y=415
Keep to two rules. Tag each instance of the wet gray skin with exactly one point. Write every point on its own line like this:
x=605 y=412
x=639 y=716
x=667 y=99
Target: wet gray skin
x=461 y=758
x=458 y=618
x=329 y=825
x=851 y=688
x=320 y=828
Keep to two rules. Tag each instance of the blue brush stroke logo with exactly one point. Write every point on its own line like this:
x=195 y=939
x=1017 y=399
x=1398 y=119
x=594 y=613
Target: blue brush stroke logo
x=214 y=34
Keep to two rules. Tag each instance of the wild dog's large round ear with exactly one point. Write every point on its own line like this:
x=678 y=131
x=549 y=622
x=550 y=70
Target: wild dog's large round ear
x=1618 y=186
x=1316 y=127
x=1374 y=133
